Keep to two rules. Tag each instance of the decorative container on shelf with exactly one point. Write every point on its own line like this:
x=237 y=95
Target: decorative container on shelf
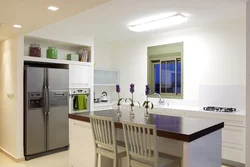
x=72 y=57
x=52 y=53
x=84 y=55
x=34 y=50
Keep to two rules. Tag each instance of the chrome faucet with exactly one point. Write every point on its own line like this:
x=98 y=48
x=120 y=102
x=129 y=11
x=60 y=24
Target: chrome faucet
x=161 y=100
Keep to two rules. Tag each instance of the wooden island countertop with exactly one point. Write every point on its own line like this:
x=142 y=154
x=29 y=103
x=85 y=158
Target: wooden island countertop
x=176 y=128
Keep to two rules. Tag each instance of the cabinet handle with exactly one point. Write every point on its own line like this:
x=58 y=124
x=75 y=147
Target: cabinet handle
x=230 y=147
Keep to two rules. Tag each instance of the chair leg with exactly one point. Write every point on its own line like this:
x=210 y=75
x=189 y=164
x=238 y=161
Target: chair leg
x=115 y=162
x=96 y=160
x=128 y=160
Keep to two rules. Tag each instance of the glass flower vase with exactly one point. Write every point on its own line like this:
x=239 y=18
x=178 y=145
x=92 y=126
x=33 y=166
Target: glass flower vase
x=131 y=112
x=119 y=113
x=146 y=114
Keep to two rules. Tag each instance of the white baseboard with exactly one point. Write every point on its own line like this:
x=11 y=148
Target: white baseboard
x=11 y=156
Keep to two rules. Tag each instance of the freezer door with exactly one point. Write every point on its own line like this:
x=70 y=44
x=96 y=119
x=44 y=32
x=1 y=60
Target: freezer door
x=34 y=115
x=58 y=122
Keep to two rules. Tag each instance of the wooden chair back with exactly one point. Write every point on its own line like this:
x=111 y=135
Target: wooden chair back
x=103 y=129
x=141 y=142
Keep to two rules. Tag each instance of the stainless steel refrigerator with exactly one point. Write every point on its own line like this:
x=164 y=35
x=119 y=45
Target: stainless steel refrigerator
x=46 y=126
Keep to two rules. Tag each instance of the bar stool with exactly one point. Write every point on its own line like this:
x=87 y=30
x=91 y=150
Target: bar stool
x=104 y=135
x=141 y=147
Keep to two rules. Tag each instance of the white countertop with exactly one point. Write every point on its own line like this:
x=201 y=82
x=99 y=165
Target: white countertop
x=103 y=104
x=194 y=109
x=199 y=109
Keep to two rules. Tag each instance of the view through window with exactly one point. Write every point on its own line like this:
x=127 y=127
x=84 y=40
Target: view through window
x=165 y=73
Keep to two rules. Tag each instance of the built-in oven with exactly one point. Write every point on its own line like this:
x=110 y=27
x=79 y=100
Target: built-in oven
x=74 y=93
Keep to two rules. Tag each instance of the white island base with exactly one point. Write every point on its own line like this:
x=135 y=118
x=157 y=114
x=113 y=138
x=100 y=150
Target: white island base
x=203 y=152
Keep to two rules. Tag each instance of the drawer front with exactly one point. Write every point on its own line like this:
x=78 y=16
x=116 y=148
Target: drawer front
x=234 y=135
x=233 y=120
x=233 y=152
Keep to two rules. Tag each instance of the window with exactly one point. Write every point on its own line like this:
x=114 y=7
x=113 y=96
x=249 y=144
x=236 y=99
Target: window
x=165 y=74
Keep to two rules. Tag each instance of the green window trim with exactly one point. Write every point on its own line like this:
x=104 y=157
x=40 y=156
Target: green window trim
x=163 y=57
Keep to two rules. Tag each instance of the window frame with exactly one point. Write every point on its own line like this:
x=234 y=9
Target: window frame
x=158 y=59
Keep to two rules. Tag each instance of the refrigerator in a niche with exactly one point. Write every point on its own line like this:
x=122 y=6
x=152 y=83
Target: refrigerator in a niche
x=46 y=124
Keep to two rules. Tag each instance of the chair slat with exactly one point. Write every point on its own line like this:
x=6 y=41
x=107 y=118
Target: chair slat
x=140 y=141
x=109 y=133
x=129 y=138
x=149 y=141
x=95 y=130
x=100 y=130
x=145 y=142
x=136 y=139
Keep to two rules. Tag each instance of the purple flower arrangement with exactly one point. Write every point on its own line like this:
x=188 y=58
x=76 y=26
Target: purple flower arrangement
x=118 y=90
x=132 y=88
x=132 y=91
x=147 y=103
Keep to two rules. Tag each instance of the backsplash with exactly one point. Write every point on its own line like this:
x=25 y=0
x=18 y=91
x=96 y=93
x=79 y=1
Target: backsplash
x=213 y=95
x=109 y=89
x=223 y=95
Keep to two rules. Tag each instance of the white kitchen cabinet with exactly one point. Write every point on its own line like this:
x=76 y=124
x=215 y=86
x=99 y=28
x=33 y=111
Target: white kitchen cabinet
x=234 y=135
x=82 y=148
x=79 y=76
x=233 y=152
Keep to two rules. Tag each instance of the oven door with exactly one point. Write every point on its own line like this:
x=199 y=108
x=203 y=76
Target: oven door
x=73 y=109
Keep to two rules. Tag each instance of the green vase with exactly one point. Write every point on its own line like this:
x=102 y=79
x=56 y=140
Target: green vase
x=52 y=53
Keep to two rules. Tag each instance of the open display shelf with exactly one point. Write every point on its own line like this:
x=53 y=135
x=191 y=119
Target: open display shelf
x=63 y=49
x=54 y=61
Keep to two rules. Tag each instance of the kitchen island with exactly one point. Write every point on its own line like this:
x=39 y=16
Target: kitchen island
x=197 y=142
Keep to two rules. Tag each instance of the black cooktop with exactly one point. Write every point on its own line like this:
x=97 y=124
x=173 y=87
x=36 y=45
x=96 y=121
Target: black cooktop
x=219 y=109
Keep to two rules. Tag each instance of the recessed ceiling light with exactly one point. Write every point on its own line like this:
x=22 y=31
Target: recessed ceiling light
x=160 y=21
x=17 y=26
x=53 y=8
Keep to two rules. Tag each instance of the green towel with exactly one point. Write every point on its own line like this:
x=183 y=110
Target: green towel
x=81 y=103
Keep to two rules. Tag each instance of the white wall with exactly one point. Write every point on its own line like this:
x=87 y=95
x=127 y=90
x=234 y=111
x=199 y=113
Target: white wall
x=214 y=58
x=103 y=55
x=9 y=105
x=103 y=60
x=248 y=86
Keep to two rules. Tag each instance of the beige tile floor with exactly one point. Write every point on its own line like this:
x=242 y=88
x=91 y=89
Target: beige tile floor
x=54 y=160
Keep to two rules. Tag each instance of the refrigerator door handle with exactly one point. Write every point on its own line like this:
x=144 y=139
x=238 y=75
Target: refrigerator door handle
x=48 y=91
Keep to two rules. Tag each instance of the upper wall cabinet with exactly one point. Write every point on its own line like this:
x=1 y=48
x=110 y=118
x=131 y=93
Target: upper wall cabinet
x=106 y=77
x=79 y=76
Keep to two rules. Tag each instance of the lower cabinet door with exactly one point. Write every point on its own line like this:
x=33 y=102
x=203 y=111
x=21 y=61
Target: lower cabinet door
x=233 y=152
x=82 y=150
x=234 y=135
